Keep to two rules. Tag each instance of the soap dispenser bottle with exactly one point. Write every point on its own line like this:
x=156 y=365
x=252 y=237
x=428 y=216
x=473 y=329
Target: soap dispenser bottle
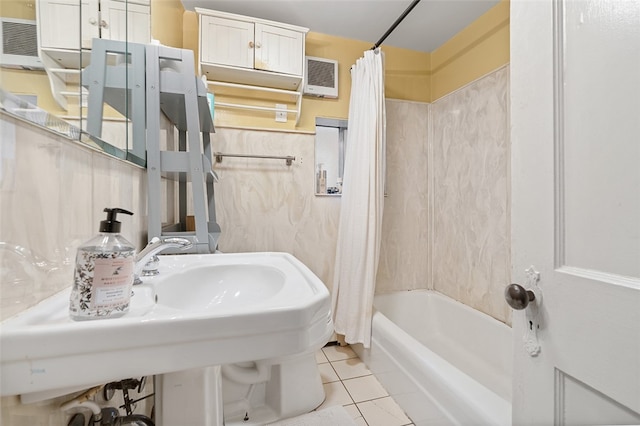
x=104 y=273
x=321 y=180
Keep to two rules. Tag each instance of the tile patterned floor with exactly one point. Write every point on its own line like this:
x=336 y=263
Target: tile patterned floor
x=348 y=382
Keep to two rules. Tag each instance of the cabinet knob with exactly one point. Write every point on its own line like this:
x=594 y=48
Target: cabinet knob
x=258 y=45
x=104 y=24
x=251 y=45
x=93 y=21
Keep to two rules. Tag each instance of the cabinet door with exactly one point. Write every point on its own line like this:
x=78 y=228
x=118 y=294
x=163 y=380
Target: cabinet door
x=89 y=22
x=226 y=42
x=278 y=49
x=60 y=23
x=122 y=21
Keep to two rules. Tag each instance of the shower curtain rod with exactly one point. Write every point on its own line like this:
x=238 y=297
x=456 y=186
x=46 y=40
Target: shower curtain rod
x=395 y=24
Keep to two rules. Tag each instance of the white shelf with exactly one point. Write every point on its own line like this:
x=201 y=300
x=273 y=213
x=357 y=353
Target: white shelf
x=294 y=93
x=250 y=76
x=259 y=88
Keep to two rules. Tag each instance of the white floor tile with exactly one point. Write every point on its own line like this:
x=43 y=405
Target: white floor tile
x=320 y=357
x=356 y=415
x=365 y=388
x=353 y=411
x=360 y=421
x=336 y=394
x=350 y=368
x=383 y=412
x=337 y=353
x=347 y=379
x=327 y=373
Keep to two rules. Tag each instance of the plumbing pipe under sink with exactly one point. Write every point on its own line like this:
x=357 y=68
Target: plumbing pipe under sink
x=84 y=401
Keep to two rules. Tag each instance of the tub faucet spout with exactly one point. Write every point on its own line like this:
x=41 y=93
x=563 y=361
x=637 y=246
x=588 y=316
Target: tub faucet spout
x=147 y=261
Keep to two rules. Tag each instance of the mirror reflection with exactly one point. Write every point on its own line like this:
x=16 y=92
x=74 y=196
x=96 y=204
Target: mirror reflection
x=47 y=44
x=331 y=135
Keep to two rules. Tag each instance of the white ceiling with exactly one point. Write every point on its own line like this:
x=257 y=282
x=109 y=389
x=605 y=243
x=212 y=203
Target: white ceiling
x=427 y=27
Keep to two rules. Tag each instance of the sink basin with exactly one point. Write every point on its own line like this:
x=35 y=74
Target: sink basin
x=201 y=310
x=214 y=287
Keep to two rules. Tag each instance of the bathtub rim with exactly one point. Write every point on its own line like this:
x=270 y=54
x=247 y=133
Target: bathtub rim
x=490 y=407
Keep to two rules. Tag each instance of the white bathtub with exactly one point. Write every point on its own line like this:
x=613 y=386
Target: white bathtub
x=443 y=362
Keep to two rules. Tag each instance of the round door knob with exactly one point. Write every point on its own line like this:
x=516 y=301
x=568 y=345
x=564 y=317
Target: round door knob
x=517 y=297
x=93 y=21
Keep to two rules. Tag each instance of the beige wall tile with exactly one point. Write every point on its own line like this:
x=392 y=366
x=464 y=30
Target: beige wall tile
x=53 y=194
x=471 y=228
x=403 y=253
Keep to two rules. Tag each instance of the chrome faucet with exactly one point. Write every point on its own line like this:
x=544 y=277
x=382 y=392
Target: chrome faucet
x=147 y=261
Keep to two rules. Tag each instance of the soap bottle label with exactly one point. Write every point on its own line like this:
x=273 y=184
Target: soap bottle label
x=111 y=282
x=102 y=284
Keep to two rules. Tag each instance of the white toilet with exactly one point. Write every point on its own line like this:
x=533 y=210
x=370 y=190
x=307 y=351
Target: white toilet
x=261 y=392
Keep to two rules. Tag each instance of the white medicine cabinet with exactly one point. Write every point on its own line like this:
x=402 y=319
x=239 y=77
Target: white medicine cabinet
x=263 y=57
x=331 y=137
x=242 y=49
x=60 y=22
x=251 y=45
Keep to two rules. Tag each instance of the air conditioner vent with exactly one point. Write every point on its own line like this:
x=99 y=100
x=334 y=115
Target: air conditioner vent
x=321 y=73
x=19 y=41
x=321 y=77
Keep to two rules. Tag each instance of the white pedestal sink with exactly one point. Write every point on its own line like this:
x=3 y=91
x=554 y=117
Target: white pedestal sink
x=200 y=311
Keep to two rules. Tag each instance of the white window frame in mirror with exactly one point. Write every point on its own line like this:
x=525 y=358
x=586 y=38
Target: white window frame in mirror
x=330 y=140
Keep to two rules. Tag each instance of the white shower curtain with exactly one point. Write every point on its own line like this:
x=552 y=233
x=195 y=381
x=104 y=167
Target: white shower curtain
x=360 y=226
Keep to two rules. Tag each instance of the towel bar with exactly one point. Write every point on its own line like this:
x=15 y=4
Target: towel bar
x=288 y=158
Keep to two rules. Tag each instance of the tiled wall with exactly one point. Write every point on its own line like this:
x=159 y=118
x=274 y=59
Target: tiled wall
x=403 y=261
x=471 y=228
x=53 y=193
x=446 y=220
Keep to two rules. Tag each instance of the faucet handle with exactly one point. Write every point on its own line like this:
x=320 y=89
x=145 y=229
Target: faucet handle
x=178 y=242
x=147 y=262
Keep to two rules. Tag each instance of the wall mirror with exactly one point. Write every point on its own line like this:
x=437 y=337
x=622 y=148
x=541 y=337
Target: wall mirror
x=47 y=46
x=331 y=136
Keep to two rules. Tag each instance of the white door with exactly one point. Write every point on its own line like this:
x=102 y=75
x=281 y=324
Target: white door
x=279 y=49
x=575 y=116
x=226 y=42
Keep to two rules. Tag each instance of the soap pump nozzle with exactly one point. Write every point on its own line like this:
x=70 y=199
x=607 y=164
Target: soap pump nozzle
x=111 y=225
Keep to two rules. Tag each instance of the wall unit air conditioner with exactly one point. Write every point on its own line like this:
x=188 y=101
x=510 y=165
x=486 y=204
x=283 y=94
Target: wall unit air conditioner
x=321 y=77
x=19 y=44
